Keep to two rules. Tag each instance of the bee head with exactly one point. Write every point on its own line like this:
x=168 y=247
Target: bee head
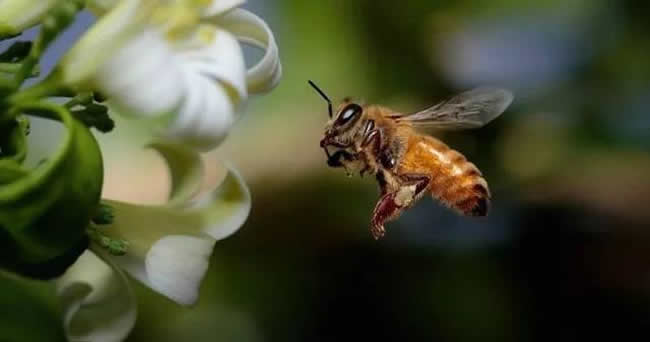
x=346 y=119
x=342 y=126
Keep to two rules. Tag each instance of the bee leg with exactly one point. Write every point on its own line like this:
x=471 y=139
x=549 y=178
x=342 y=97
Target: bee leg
x=327 y=153
x=385 y=210
x=364 y=170
x=421 y=182
x=388 y=156
x=383 y=184
x=373 y=137
x=334 y=160
x=392 y=204
x=411 y=189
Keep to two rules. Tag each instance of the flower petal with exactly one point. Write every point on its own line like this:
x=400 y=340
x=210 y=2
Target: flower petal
x=105 y=37
x=148 y=230
x=205 y=116
x=220 y=6
x=97 y=301
x=219 y=59
x=251 y=29
x=143 y=77
x=176 y=265
x=185 y=168
x=215 y=82
x=226 y=209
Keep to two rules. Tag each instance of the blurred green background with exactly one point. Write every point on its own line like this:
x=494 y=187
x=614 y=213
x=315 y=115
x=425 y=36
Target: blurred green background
x=564 y=253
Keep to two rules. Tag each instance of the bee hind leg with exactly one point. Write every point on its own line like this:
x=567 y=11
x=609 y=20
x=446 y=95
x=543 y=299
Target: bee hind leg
x=385 y=210
x=417 y=180
x=392 y=204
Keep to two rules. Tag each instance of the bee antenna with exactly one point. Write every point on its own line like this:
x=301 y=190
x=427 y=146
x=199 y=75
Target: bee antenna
x=329 y=103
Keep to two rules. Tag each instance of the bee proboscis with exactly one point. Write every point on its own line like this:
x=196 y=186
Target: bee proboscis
x=407 y=163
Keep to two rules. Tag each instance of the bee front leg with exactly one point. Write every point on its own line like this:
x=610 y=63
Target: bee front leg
x=372 y=137
x=365 y=169
x=334 y=160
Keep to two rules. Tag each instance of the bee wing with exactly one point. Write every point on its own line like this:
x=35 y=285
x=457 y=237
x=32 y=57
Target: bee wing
x=470 y=109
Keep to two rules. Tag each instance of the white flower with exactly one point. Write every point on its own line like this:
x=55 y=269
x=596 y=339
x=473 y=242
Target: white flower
x=180 y=64
x=169 y=246
x=168 y=250
x=19 y=15
x=98 y=304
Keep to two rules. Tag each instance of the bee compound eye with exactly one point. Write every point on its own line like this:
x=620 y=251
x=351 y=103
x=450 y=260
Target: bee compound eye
x=349 y=113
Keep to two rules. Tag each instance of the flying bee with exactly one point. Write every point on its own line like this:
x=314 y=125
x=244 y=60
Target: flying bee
x=406 y=163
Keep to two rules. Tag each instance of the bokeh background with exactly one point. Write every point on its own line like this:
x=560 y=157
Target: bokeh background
x=564 y=254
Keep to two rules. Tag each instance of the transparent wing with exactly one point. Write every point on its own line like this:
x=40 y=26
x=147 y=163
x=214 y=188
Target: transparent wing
x=471 y=109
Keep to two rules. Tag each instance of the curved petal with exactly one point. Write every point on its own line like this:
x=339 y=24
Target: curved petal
x=250 y=29
x=172 y=233
x=105 y=37
x=215 y=82
x=143 y=78
x=226 y=209
x=185 y=168
x=98 y=304
x=220 y=6
x=220 y=59
x=176 y=265
x=205 y=116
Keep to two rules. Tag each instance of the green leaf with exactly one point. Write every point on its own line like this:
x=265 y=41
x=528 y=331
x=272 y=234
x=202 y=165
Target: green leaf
x=29 y=310
x=13 y=140
x=10 y=171
x=44 y=212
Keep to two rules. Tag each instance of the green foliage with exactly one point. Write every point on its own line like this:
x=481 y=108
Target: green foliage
x=45 y=211
x=29 y=311
x=13 y=144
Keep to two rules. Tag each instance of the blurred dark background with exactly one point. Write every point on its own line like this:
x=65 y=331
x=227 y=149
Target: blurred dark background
x=563 y=255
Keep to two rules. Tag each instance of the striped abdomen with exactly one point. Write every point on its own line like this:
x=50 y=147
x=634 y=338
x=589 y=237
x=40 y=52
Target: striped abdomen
x=455 y=181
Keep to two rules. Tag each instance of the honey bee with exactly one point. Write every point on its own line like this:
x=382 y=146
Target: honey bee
x=407 y=163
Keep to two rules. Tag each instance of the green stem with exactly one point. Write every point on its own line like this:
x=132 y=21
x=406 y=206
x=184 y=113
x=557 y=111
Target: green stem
x=7 y=33
x=17 y=102
x=44 y=110
x=58 y=20
x=7 y=84
x=9 y=67
x=51 y=86
x=40 y=113
x=26 y=68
